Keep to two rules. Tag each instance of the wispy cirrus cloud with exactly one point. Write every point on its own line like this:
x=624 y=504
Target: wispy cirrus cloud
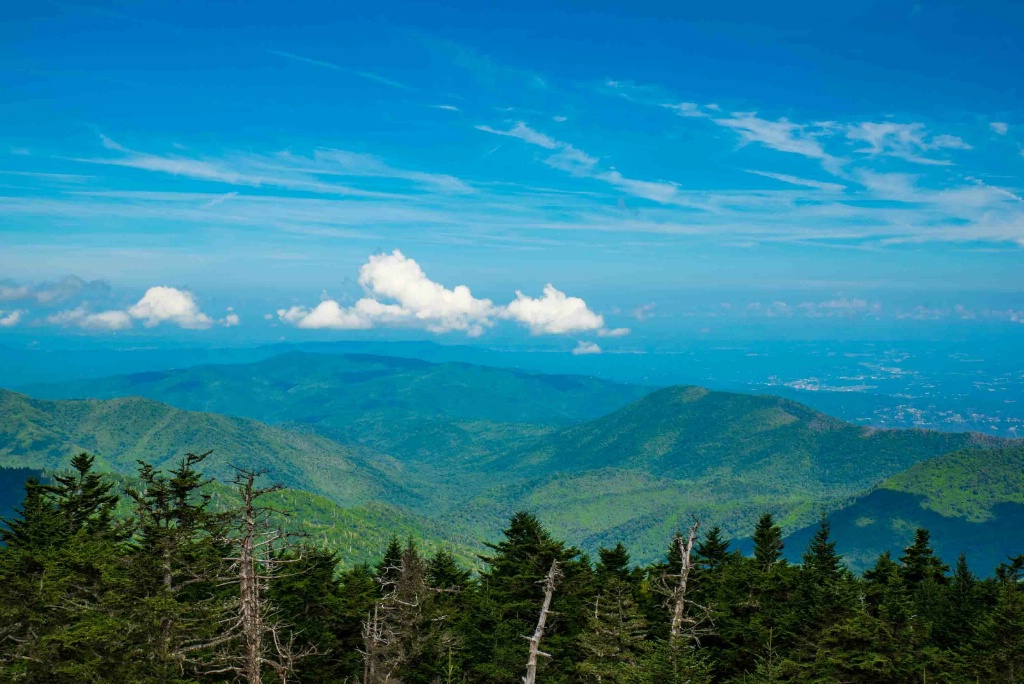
x=578 y=163
x=783 y=135
x=908 y=142
x=316 y=172
x=802 y=182
x=368 y=75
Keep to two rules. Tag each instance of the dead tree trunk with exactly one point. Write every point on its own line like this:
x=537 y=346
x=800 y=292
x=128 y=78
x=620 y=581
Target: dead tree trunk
x=550 y=582
x=678 y=597
x=255 y=640
x=251 y=617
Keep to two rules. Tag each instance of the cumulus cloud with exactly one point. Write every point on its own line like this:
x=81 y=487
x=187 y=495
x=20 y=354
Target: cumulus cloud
x=158 y=305
x=399 y=293
x=9 y=319
x=1000 y=127
x=416 y=299
x=81 y=317
x=170 y=305
x=554 y=313
x=583 y=348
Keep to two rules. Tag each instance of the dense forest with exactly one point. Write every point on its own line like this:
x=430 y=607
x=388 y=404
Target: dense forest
x=153 y=583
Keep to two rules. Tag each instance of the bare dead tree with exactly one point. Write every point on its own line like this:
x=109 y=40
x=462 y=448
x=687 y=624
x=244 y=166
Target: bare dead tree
x=394 y=631
x=689 y=619
x=550 y=583
x=254 y=639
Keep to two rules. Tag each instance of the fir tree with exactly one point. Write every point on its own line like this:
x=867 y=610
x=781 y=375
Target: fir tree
x=615 y=638
x=919 y=562
x=767 y=541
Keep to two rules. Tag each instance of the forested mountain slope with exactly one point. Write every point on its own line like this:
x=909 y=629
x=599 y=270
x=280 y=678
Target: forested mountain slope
x=972 y=501
x=408 y=408
x=45 y=434
x=640 y=472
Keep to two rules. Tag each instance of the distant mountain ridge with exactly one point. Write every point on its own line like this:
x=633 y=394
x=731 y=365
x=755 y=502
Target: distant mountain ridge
x=467 y=445
x=392 y=404
x=971 y=500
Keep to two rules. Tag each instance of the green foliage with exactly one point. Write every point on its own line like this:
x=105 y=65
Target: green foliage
x=88 y=594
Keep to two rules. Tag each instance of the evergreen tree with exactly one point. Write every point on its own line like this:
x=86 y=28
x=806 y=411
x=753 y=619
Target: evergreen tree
x=178 y=568
x=63 y=579
x=919 y=562
x=510 y=598
x=712 y=552
x=767 y=541
x=615 y=638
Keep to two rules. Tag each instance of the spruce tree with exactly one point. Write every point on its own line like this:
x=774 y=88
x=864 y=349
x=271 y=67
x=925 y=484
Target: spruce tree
x=767 y=541
x=614 y=640
x=919 y=562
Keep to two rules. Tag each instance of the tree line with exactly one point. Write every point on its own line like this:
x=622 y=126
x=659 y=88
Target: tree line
x=157 y=585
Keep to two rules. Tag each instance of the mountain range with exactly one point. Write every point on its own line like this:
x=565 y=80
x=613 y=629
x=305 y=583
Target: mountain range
x=456 y=447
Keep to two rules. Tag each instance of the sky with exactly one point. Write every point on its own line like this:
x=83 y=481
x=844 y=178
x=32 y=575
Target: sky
x=587 y=174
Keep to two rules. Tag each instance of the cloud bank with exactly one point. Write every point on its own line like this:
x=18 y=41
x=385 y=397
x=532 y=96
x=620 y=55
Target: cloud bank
x=399 y=293
x=158 y=305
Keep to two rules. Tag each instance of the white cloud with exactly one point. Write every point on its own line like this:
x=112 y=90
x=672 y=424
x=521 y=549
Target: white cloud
x=802 y=182
x=579 y=163
x=399 y=293
x=840 y=307
x=644 y=311
x=903 y=141
x=158 y=305
x=687 y=109
x=9 y=319
x=11 y=292
x=169 y=305
x=1000 y=127
x=782 y=135
x=553 y=314
x=526 y=134
x=50 y=293
x=449 y=108
x=417 y=299
x=81 y=317
x=583 y=348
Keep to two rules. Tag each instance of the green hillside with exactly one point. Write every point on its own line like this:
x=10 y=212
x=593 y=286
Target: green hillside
x=470 y=445
x=640 y=472
x=971 y=500
x=45 y=434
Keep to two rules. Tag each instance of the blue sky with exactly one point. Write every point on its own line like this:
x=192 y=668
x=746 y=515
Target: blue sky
x=217 y=168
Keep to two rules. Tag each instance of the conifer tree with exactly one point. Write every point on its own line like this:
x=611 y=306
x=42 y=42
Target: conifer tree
x=614 y=641
x=767 y=541
x=178 y=567
x=919 y=562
